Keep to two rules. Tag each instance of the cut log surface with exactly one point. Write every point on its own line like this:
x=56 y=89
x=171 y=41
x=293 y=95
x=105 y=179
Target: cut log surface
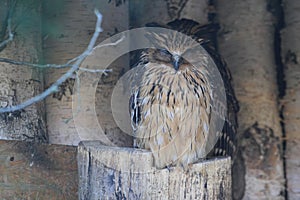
x=37 y=171
x=127 y=173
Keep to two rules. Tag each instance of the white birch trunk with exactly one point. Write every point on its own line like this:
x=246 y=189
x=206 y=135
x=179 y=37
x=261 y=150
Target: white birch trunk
x=291 y=102
x=246 y=43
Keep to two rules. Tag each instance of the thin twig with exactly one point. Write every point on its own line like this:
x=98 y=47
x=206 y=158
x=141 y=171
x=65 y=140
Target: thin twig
x=69 y=73
x=104 y=71
x=14 y=62
x=111 y=44
x=10 y=34
x=67 y=64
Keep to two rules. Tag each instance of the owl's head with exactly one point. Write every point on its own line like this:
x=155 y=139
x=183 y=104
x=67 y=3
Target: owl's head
x=180 y=47
x=170 y=48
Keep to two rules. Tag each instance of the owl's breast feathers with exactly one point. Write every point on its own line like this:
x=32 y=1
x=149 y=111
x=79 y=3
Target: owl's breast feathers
x=206 y=35
x=170 y=113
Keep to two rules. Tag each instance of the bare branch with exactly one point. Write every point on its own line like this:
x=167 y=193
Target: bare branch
x=104 y=71
x=14 y=62
x=111 y=44
x=10 y=34
x=58 y=66
x=54 y=87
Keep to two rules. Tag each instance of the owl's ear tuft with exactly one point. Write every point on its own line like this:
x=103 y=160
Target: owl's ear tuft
x=156 y=39
x=151 y=36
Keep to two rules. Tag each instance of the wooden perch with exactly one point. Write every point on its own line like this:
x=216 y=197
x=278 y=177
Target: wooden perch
x=126 y=173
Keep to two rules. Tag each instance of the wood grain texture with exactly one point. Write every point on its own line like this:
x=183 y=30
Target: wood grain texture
x=34 y=171
x=126 y=173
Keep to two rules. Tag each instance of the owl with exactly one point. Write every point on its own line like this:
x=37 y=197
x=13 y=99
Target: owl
x=175 y=105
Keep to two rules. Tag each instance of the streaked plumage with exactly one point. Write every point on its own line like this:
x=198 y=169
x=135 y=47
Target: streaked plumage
x=173 y=102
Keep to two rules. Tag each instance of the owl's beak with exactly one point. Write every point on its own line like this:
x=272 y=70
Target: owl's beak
x=176 y=61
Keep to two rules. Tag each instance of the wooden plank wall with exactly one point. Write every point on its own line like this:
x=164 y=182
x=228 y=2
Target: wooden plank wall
x=37 y=171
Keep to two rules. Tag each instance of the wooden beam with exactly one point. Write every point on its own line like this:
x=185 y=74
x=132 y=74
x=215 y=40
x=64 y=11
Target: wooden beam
x=37 y=171
x=127 y=173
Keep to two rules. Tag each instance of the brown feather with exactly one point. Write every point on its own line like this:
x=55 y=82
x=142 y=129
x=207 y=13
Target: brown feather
x=171 y=110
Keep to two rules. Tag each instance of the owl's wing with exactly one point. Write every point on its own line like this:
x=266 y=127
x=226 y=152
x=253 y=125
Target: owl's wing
x=134 y=110
x=134 y=79
x=227 y=137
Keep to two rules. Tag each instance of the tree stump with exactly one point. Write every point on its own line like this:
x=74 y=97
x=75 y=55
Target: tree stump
x=126 y=173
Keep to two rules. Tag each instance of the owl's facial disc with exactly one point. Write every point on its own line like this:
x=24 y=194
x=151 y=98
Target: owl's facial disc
x=175 y=59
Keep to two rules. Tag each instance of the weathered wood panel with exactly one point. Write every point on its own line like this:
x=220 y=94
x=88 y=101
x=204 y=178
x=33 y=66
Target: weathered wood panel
x=291 y=101
x=127 y=173
x=35 y=171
